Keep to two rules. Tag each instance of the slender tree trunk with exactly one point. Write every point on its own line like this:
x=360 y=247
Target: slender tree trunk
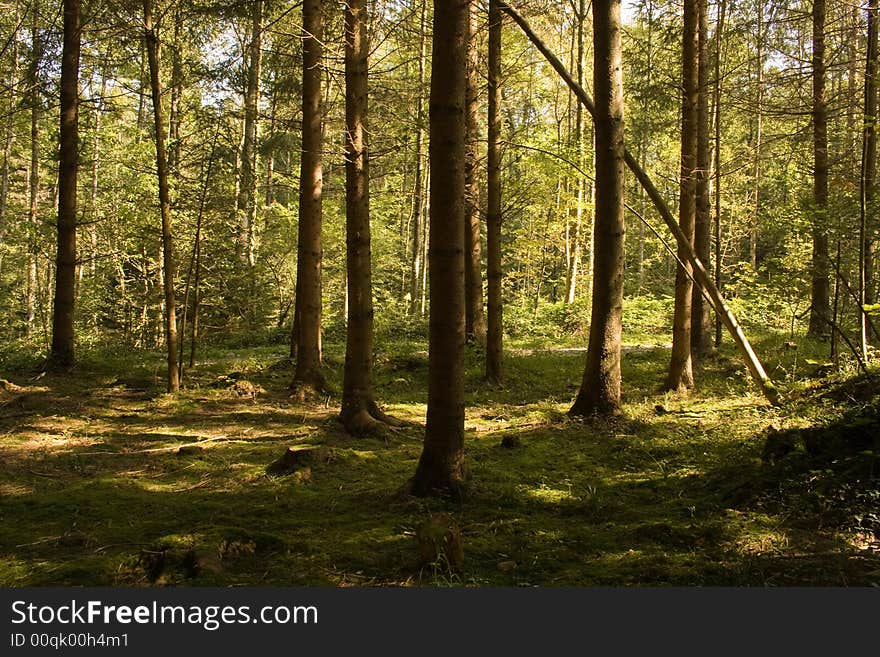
x=192 y=275
x=820 y=306
x=643 y=141
x=152 y=38
x=197 y=295
x=174 y=109
x=600 y=388
x=247 y=198
x=701 y=316
x=719 y=35
x=9 y=131
x=418 y=215
x=475 y=322
x=94 y=212
x=758 y=142
x=307 y=311
x=34 y=177
x=441 y=465
x=681 y=375
x=62 y=351
x=575 y=235
x=495 y=335
x=869 y=171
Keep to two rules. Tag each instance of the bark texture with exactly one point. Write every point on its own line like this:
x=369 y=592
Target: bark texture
x=600 y=388
x=820 y=303
x=681 y=376
x=441 y=466
x=307 y=311
x=494 y=273
x=62 y=353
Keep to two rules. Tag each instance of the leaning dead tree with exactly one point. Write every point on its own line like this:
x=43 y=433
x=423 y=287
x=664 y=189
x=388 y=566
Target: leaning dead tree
x=686 y=250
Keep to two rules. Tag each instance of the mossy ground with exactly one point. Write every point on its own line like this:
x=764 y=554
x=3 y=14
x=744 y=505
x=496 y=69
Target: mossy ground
x=94 y=491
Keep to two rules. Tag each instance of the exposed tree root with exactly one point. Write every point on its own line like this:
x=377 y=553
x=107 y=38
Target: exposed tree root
x=367 y=420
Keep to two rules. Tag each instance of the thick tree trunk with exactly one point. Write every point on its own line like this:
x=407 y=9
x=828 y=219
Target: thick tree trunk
x=869 y=172
x=681 y=377
x=475 y=322
x=820 y=305
x=62 y=352
x=494 y=272
x=152 y=38
x=600 y=388
x=307 y=312
x=441 y=465
x=701 y=316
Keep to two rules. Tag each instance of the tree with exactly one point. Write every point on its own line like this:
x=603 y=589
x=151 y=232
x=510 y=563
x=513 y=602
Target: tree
x=701 y=316
x=359 y=409
x=62 y=354
x=247 y=198
x=494 y=336
x=868 y=173
x=442 y=465
x=307 y=311
x=475 y=324
x=600 y=388
x=820 y=303
x=681 y=376
x=33 y=219
x=153 y=55
x=574 y=237
x=419 y=232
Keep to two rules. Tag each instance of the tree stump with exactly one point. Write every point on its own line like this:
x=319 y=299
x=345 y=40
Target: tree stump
x=299 y=458
x=439 y=539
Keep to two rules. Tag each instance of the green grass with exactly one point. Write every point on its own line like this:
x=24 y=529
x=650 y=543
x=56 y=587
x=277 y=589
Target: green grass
x=94 y=492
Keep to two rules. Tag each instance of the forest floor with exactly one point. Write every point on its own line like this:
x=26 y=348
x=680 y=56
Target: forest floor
x=107 y=480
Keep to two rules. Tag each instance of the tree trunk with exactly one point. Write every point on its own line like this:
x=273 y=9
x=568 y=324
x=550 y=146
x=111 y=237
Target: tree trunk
x=307 y=312
x=758 y=141
x=62 y=351
x=719 y=34
x=152 y=38
x=681 y=375
x=475 y=323
x=359 y=411
x=820 y=306
x=418 y=215
x=701 y=317
x=174 y=109
x=494 y=272
x=869 y=171
x=441 y=465
x=600 y=388
x=10 y=130
x=247 y=198
x=575 y=237
x=34 y=175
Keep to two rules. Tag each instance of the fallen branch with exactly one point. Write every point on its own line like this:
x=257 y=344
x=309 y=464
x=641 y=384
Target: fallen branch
x=699 y=271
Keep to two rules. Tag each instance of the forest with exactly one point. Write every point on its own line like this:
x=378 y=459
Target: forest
x=452 y=293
